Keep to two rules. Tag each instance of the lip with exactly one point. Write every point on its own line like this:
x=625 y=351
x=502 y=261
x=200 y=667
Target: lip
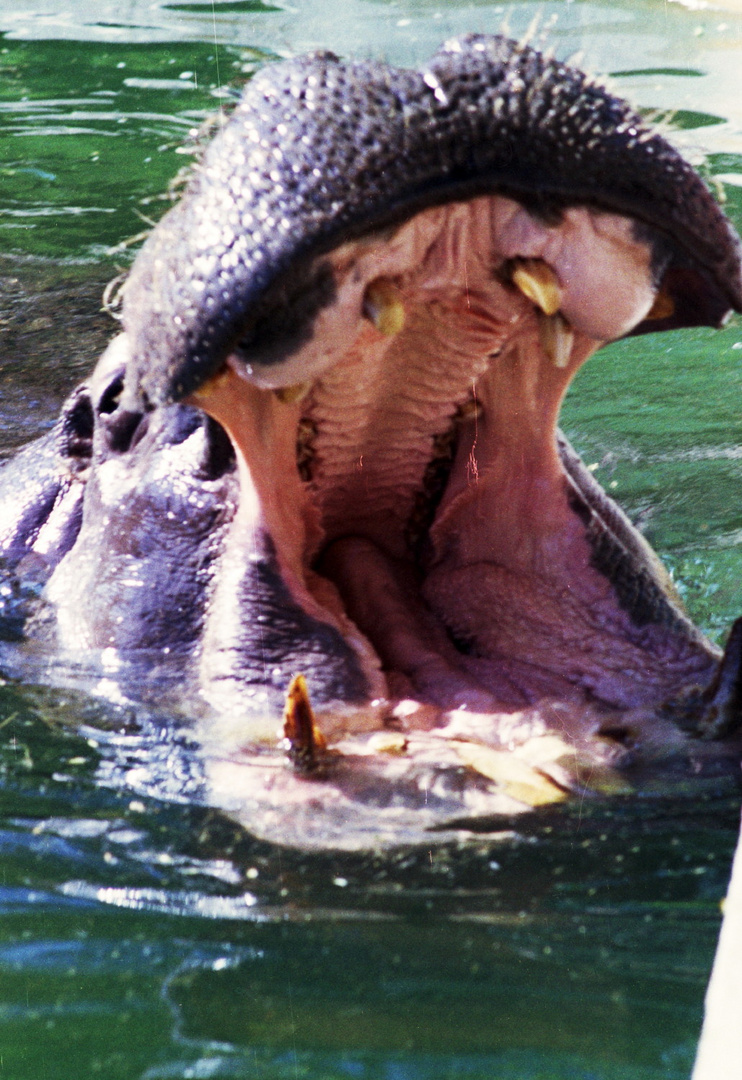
x=320 y=152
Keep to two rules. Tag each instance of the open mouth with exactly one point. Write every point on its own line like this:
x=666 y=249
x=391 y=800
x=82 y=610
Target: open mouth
x=387 y=336
x=406 y=465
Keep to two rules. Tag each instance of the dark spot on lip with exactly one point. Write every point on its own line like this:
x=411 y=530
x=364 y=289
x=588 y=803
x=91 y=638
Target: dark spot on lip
x=637 y=592
x=283 y=320
x=291 y=640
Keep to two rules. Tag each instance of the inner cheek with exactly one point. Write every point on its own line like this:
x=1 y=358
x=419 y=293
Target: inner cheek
x=605 y=296
x=606 y=306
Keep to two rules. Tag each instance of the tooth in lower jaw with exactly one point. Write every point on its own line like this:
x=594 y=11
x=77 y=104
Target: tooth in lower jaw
x=538 y=282
x=382 y=305
x=300 y=730
x=206 y=389
x=292 y=395
x=556 y=337
x=662 y=308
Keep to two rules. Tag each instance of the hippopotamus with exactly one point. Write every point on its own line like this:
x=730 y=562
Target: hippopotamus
x=318 y=476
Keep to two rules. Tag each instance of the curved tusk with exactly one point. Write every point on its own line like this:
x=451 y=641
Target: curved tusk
x=538 y=282
x=382 y=305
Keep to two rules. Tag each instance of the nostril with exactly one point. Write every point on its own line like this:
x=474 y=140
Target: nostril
x=125 y=430
x=77 y=426
x=109 y=399
x=219 y=457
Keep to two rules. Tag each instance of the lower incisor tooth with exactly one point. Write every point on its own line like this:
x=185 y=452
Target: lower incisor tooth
x=556 y=337
x=292 y=395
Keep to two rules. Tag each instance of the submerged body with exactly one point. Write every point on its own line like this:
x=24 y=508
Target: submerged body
x=326 y=446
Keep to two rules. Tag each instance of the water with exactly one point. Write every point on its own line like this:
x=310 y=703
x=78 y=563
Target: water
x=146 y=935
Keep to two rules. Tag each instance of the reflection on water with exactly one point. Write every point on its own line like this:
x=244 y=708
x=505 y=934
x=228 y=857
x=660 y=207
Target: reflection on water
x=145 y=934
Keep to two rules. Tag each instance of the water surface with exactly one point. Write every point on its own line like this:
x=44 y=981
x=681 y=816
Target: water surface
x=146 y=935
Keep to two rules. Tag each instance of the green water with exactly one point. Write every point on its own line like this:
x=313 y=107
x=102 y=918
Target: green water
x=149 y=937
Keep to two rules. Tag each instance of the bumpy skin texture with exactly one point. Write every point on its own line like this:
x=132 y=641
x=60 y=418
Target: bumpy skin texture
x=44 y=485
x=133 y=507
x=320 y=150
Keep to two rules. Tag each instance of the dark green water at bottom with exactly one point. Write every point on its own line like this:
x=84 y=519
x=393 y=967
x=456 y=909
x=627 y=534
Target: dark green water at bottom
x=150 y=938
x=329 y=997
x=145 y=938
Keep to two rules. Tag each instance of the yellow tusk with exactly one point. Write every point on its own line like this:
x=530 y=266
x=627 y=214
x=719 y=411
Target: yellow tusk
x=662 y=308
x=383 y=306
x=557 y=338
x=537 y=281
x=292 y=395
x=206 y=389
x=300 y=727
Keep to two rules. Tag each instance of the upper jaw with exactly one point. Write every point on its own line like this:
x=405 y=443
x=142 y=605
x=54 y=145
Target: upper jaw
x=320 y=153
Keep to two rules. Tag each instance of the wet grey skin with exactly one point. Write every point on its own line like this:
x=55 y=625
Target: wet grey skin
x=348 y=149
x=134 y=503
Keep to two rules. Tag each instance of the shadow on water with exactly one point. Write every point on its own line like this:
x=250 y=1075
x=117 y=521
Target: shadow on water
x=147 y=935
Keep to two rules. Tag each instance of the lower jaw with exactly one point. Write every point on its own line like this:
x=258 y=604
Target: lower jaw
x=508 y=610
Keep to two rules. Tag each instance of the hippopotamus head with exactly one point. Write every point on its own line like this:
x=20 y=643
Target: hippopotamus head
x=380 y=284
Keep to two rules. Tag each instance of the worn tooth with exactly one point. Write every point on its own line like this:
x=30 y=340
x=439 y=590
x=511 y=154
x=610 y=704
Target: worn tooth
x=292 y=395
x=662 y=308
x=206 y=389
x=388 y=742
x=383 y=306
x=538 y=282
x=470 y=409
x=512 y=775
x=557 y=338
x=300 y=727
